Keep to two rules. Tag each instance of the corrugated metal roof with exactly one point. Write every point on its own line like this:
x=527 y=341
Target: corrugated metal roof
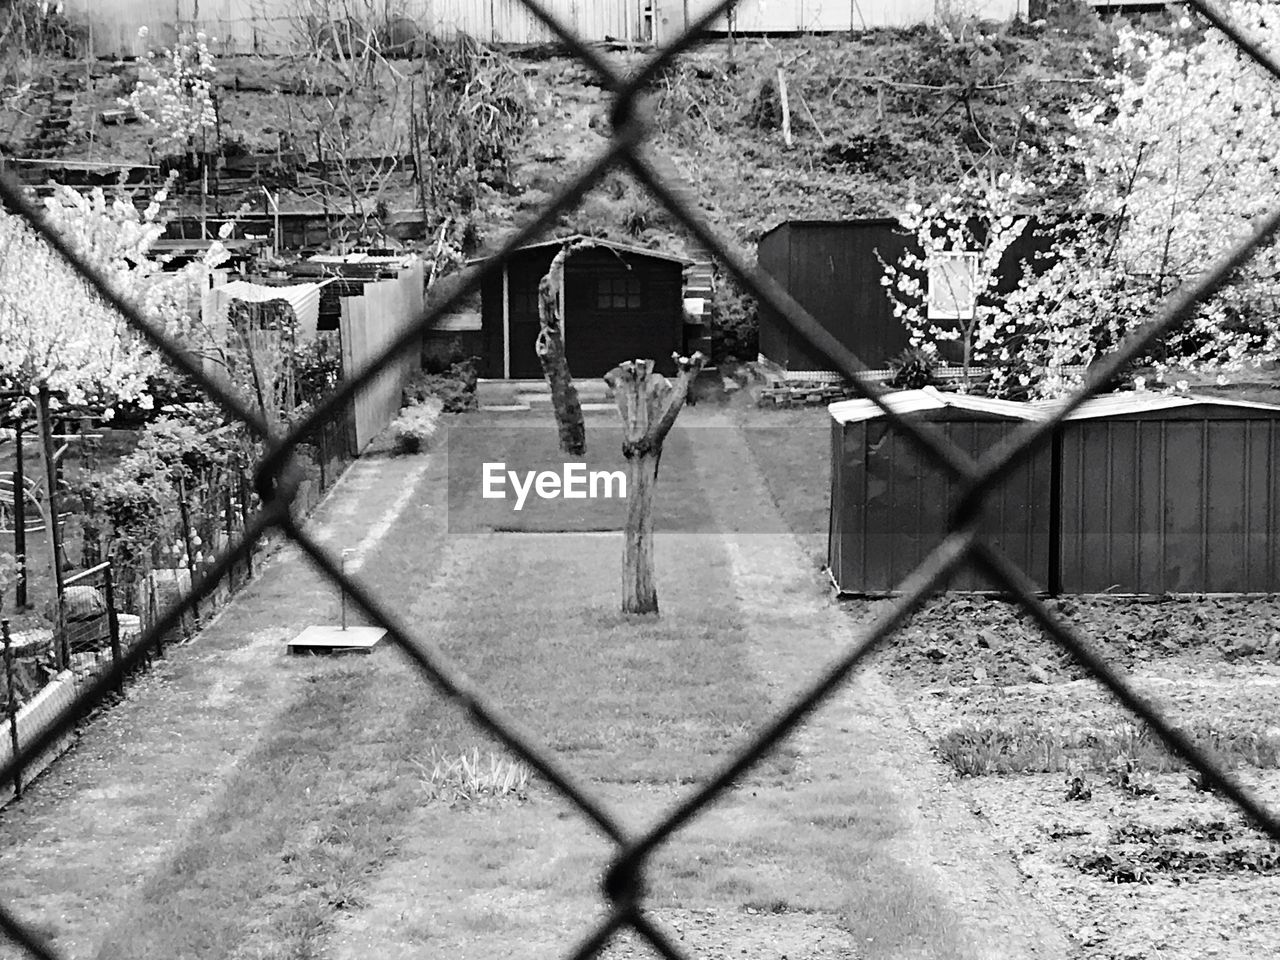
x=1145 y=401
x=396 y=260
x=303 y=297
x=929 y=398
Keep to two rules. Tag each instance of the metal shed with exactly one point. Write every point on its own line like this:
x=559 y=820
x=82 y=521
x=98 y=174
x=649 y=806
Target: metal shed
x=890 y=506
x=1170 y=494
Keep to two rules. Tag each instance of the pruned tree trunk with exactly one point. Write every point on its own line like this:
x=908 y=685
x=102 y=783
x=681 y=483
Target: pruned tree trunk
x=649 y=405
x=550 y=348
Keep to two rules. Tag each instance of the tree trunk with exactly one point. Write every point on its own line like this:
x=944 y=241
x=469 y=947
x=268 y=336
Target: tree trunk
x=639 y=591
x=550 y=348
x=649 y=405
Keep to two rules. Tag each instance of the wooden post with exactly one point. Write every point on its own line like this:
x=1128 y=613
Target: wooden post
x=19 y=515
x=51 y=524
x=550 y=348
x=184 y=511
x=649 y=405
x=12 y=705
x=244 y=523
x=113 y=624
x=786 y=107
x=153 y=614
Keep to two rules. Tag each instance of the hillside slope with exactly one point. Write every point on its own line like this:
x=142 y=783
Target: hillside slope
x=875 y=119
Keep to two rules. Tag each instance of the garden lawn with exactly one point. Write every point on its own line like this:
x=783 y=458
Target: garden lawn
x=246 y=804
x=791 y=449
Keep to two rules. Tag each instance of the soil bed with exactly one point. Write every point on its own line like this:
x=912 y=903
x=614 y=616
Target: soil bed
x=1114 y=834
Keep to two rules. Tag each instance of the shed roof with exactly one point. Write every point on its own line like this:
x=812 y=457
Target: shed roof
x=846 y=222
x=1148 y=401
x=304 y=298
x=598 y=241
x=929 y=398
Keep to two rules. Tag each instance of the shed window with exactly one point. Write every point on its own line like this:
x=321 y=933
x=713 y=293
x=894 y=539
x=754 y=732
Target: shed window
x=524 y=301
x=618 y=293
x=952 y=286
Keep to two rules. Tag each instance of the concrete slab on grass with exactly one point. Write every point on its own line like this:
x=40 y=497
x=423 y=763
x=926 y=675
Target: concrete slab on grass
x=331 y=639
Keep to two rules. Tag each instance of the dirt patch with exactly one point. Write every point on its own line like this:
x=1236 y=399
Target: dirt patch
x=962 y=640
x=1130 y=853
x=1098 y=864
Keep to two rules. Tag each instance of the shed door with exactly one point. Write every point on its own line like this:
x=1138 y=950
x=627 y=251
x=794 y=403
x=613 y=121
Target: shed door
x=617 y=315
x=524 y=274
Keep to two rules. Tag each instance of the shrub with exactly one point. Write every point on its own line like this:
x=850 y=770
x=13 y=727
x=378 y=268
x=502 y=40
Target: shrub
x=416 y=425
x=454 y=386
x=913 y=369
x=735 y=329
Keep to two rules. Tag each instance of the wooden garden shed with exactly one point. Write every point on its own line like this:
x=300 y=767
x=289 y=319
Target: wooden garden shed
x=890 y=505
x=620 y=303
x=1170 y=494
x=832 y=268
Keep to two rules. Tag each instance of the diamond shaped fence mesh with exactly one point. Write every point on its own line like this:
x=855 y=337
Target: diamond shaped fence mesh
x=277 y=484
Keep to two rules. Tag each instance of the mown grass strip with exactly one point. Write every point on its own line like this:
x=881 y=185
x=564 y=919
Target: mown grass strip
x=319 y=806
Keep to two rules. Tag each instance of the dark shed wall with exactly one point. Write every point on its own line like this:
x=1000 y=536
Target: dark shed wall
x=491 y=327
x=1171 y=502
x=890 y=506
x=832 y=270
x=774 y=258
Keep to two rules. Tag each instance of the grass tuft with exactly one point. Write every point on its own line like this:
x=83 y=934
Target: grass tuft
x=467 y=777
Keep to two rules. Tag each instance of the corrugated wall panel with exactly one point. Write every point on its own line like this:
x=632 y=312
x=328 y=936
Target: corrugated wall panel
x=891 y=506
x=113 y=24
x=773 y=257
x=1225 y=561
x=1260 y=515
x=269 y=26
x=1171 y=506
x=276 y=26
x=509 y=21
x=789 y=16
x=838 y=496
x=263 y=27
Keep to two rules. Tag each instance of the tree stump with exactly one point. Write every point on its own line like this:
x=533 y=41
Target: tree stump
x=550 y=349
x=649 y=405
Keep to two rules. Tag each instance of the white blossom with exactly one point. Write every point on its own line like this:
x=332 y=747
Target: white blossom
x=57 y=331
x=178 y=98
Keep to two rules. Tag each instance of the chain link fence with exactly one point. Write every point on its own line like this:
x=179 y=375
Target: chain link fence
x=278 y=480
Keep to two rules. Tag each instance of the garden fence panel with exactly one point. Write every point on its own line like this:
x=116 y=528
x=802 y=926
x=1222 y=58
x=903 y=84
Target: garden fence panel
x=278 y=482
x=369 y=323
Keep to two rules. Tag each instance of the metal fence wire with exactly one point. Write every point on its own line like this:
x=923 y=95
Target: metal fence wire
x=277 y=482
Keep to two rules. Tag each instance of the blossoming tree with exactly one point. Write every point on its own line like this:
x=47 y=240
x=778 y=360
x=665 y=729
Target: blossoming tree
x=176 y=92
x=943 y=288
x=58 y=338
x=1174 y=159
x=1180 y=156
